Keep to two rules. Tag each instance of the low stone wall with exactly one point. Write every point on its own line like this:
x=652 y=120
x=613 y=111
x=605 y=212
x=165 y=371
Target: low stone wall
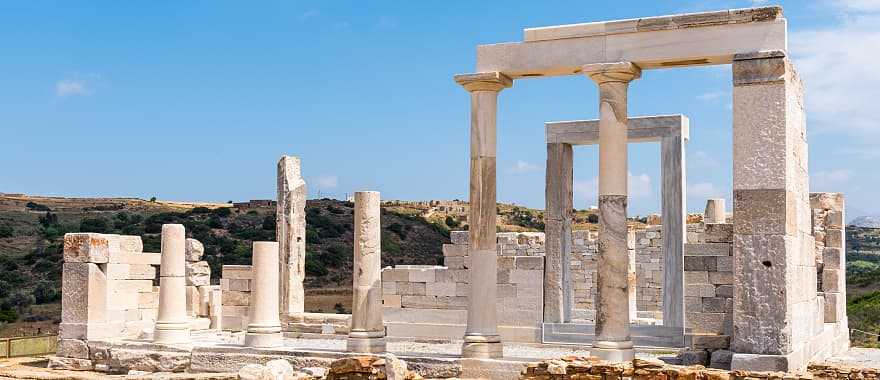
x=431 y=301
x=585 y=368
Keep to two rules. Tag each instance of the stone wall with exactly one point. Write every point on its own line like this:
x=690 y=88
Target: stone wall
x=235 y=285
x=431 y=301
x=708 y=278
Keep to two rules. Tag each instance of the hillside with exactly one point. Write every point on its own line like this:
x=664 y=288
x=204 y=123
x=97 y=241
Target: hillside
x=863 y=284
x=32 y=230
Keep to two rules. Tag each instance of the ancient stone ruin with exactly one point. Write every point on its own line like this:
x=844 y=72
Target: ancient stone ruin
x=762 y=290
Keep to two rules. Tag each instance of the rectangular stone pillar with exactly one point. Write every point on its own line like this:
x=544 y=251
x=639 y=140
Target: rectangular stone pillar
x=774 y=258
x=557 y=228
x=290 y=233
x=674 y=226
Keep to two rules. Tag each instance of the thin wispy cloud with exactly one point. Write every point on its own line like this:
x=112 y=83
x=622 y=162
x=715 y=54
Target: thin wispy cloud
x=524 y=167
x=839 y=70
x=712 y=95
x=309 y=14
x=830 y=180
x=701 y=159
x=326 y=182
x=72 y=87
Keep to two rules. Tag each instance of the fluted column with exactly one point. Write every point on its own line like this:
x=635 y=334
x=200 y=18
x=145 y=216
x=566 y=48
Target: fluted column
x=172 y=325
x=367 y=332
x=264 y=328
x=613 y=341
x=481 y=338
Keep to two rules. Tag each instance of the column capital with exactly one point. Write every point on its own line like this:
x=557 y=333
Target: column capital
x=612 y=72
x=491 y=81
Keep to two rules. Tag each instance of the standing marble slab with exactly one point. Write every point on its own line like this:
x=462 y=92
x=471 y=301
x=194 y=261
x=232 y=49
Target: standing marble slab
x=291 y=233
x=367 y=334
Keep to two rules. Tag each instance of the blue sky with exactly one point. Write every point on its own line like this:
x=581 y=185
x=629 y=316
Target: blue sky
x=197 y=100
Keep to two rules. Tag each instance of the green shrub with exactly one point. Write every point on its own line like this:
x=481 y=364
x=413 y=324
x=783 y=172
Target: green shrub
x=452 y=222
x=8 y=316
x=200 y=210
x=46 y=292
x=269 y=222
x=98 y=225
x=314 y=266
x=6 y=231
x=37 y=207
x=593 y=218
x=221 y=212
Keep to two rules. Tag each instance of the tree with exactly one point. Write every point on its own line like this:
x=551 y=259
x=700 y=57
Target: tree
x=153 y=199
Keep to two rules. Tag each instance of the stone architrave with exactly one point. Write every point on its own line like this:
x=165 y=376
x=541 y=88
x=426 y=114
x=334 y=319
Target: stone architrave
x=264 y=327
x=672 y=132
x=367 y=333
x=773 y=247
x=172 y=325
x=481 y=339
x=291 y=233
x=613 y=340
x=715 y=211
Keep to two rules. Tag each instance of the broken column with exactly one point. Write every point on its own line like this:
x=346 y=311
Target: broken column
x=367 y=332
x=481 y=339
x=715 y=211
x=613 y=341
x=773 y=248
x=172 y=325
x=264 y=329
x=291 y=233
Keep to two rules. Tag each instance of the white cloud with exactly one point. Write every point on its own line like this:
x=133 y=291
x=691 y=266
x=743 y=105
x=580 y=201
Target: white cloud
x=309 y=14
x=704 y=190
x=587 y=192
x=830 y=180
x=72 y=87
x=837 y=65
x=524 y=167
x=327 y=182
x=701 y=159
x=712 y=95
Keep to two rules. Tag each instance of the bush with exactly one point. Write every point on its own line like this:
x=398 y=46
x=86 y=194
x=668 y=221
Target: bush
x=336 y=255
x=398 y=229
x=152 y=199
x=451 y=222
x=46 y=292
x=269 y=222
x=221 y=212
x=37 y=207
x=314 y=266
x=8 y=316
x=98 y=225
x=593 y=218
x=6 y=231
x=201 y=210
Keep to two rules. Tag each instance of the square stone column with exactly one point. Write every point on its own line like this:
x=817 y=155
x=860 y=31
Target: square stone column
x=674 y=228
x=481 y=338
x=773 y=250
x=290 y=230
x=557 y=231
x=613 y=340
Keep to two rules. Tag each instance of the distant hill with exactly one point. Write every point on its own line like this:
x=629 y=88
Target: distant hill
x=868 y=221
x=32 y=231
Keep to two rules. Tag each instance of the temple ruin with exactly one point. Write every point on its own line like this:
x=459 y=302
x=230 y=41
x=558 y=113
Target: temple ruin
x=763 y=290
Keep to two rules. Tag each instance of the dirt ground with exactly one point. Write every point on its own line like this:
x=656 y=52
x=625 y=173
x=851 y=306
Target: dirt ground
x=325 y=300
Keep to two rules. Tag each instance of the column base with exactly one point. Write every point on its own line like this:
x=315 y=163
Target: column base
x=171 y=332
x=260 y=340
x=482 y=347
x=613 y=351
x=365 y=345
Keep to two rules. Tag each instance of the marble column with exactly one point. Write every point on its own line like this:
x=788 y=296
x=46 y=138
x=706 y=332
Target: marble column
x=715 y=211
x=367 y=333
x=613 y=340
x=290 y=231
x=481 y=339
x=674 y=229
x=557 y=229
x=264 y=328
x=172 y=325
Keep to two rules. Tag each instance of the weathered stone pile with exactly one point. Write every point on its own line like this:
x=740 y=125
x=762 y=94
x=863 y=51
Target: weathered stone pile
x=591 y=368
x=370 y=368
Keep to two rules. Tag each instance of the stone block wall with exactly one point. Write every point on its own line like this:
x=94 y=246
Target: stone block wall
x=649 y=272
x=235 y=285
x=708 y=278
x=109 y=290
x=431 y=301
